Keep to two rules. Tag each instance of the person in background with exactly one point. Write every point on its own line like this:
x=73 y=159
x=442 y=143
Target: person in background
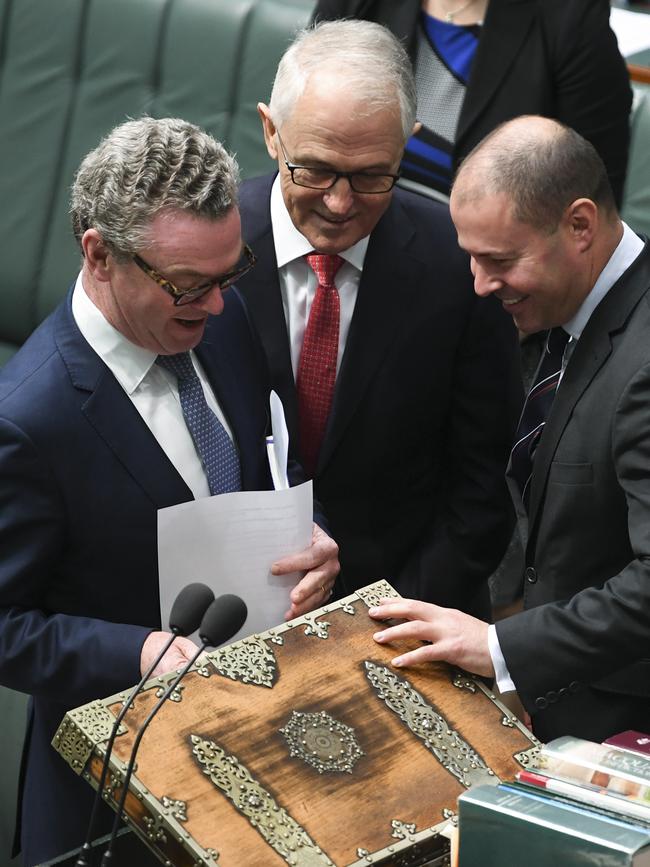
x=98 y=431
x=534 y=209
x=481 y=62
x=400 y=386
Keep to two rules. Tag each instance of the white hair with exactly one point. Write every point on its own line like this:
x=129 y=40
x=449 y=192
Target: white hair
x=368 y=58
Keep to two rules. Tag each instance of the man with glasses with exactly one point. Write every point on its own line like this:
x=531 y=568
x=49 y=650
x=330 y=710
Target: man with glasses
x=98 y=431
x=401 y=388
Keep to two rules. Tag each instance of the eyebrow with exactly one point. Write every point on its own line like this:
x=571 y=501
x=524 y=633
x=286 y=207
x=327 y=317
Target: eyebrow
x=200 y=276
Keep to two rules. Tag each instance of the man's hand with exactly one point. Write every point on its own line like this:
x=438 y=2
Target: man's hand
x=178 y=655
x=454 y=637
x=320 y=564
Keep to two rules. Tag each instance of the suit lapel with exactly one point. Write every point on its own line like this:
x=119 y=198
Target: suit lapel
x=591 y=352
x=382 y=302
x=507 y=23
x=261 y=291
x=115 y=419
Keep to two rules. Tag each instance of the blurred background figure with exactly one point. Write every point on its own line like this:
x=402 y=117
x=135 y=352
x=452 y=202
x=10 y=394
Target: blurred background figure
x=482 y=62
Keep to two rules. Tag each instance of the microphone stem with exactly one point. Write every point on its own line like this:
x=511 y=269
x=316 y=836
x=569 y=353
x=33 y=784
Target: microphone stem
x=82 y=860
x=108 y=854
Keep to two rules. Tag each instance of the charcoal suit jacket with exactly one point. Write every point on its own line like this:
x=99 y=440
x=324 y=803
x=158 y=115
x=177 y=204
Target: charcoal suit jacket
x=580 y=652
x=411 y=470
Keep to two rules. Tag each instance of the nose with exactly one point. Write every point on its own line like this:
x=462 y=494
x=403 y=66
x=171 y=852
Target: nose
x=211 y=302
x=484 y=283
x=338 y=199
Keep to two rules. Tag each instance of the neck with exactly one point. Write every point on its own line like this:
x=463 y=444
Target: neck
x=456 y=11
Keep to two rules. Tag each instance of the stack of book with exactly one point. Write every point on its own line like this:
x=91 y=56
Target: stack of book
x=585 y=803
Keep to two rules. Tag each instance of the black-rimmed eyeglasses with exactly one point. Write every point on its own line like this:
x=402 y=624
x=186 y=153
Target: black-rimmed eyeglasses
x=313 y=178
x=187 y=296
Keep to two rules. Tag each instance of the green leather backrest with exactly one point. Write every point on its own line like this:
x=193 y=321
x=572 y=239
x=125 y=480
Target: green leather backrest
x=636 y=196
x=70 y=70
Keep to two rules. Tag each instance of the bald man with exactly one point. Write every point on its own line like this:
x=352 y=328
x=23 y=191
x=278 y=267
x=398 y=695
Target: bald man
x=533 y=208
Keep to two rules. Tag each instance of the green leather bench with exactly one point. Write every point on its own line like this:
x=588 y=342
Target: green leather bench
x=70 y=70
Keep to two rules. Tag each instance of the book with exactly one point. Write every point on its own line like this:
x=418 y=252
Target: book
x=591 y=796
x=505 y=825
x=636 y=742
x=620 y=772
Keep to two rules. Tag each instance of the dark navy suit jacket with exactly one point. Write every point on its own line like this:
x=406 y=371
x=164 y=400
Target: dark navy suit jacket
x=81 y=480
x=411 y=470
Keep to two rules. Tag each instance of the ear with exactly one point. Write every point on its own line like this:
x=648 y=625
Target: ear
x=269 y=129
x=96 y=255
x=581 y=220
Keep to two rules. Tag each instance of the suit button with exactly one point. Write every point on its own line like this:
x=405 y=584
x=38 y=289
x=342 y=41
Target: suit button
x=562 y=692
x=574 y=686
x=541 y=703
x=552 y=696
x=531 y=575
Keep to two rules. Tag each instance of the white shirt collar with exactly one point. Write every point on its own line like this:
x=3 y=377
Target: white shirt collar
x=290 y=244
x=625 y=253
x=126 y=361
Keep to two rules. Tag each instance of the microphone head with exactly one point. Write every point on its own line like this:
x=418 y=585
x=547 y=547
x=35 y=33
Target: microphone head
x=189 y=607
x=223 y=619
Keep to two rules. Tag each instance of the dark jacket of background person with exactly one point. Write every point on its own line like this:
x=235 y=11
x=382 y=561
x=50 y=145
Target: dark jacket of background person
x=557 y=58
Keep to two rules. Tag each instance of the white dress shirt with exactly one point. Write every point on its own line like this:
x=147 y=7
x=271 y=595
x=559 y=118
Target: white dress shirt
x=623 y=256
x=152 y=390
x=298 y=282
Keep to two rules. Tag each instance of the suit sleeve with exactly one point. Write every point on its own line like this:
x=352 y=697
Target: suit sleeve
x=605 y=627
x=68 y=658
x=473 y=524
x=592 y=87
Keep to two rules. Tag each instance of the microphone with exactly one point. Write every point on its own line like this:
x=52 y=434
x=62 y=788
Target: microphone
x=225 y=617
x=189 y=607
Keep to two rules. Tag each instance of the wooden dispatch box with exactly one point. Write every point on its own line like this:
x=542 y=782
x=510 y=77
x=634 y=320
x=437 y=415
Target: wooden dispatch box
x=303 y=746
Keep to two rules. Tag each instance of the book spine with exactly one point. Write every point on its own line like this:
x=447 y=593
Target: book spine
x=591 y=796
x=621 y=772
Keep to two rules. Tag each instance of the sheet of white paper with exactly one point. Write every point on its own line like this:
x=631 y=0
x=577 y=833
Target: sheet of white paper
x=632 y=30
x=280 y=440
x=229 y=543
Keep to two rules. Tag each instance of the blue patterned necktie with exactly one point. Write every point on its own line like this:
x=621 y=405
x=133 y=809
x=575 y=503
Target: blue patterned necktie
x=213 y=445
x=536 y=410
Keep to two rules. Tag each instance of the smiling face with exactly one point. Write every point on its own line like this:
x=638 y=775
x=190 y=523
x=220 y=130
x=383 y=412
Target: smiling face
x=325 y=131
x=541 y=279
x=188 y=251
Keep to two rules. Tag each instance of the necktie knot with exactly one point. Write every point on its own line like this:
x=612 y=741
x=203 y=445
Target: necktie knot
x=180 y=365
x=325 y=267
x=556 y=342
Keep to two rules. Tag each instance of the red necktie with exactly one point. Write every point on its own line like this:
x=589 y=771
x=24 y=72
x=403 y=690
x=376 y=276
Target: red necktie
x=317 y=366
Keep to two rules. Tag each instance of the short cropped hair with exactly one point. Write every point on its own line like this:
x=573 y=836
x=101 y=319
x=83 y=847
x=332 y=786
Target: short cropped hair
x=540 y=173
x=143 y=167
x=372 y=62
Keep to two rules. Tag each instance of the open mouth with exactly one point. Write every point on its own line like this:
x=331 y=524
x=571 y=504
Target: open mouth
x=190 y=323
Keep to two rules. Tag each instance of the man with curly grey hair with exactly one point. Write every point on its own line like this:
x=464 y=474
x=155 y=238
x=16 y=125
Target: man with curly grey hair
x=94 y=440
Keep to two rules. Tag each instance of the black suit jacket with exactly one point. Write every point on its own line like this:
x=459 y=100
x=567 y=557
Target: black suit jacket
x=558 y=58
x=82 y=478
x=411 y=472
x=581 y=663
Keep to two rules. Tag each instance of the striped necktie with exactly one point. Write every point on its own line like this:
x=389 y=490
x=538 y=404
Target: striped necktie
x=536 y=410
x=213 y=445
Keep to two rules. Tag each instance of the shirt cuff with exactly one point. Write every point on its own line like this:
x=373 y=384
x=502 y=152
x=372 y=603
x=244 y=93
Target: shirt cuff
x=501 y=673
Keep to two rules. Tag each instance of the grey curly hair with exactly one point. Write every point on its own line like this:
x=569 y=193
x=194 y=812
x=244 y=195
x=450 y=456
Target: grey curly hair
x=143 y=167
